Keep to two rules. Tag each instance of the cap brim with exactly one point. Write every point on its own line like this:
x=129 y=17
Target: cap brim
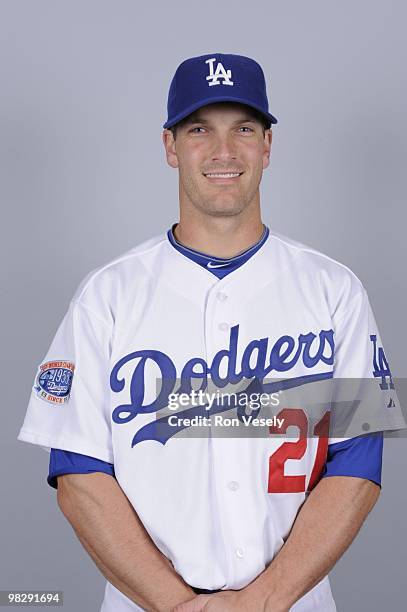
x=202 y=103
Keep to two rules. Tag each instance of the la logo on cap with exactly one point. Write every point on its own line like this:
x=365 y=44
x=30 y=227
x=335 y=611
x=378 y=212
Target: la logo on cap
x=220 y=73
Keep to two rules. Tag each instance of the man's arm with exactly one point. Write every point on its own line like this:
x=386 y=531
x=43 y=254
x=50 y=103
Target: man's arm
x=113 y=535
x=325 y=526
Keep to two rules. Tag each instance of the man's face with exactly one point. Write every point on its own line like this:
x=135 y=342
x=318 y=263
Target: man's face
x=217 y=139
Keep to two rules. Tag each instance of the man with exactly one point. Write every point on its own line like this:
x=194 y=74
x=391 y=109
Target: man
x=187 y=522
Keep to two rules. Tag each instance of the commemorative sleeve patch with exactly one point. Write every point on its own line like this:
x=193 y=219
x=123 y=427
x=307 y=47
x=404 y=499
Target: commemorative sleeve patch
x=53 y=381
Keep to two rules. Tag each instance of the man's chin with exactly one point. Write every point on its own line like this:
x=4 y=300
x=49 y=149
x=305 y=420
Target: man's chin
x=222 y=209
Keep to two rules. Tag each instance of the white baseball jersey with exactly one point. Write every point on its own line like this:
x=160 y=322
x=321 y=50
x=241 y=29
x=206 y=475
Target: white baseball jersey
x=153 y=322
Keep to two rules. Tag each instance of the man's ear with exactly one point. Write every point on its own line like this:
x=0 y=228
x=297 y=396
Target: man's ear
x=170 y=148
x=268 y=137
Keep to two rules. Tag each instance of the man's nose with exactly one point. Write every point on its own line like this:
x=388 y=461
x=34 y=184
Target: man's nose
x=223 y=148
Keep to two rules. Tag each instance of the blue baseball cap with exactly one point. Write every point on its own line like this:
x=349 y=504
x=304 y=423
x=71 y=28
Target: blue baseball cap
x=216 y=77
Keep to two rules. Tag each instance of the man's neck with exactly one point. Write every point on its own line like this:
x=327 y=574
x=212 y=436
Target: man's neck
x=219 y=237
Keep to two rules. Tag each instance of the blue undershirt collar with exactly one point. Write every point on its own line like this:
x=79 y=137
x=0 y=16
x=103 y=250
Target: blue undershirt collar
x=219 y=266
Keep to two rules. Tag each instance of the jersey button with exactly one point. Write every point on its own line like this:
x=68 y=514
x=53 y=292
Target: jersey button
x=222 y=297
x=239 y=552
x=233 y=485
x=223 y=326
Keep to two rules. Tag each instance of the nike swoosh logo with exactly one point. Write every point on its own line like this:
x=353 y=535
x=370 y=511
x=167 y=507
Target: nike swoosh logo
x=212 y=265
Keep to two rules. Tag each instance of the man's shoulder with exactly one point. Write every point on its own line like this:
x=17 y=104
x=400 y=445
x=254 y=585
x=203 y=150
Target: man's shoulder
x=310 y=259
x=319 y=273
x=111 y=278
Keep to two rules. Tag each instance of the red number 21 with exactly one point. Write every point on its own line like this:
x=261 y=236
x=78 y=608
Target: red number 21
x=279 y=482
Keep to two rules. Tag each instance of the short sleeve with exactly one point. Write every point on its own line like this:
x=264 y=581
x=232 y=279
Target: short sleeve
x=364 y=394
x=65 y=462
x=360 y=457
x=69 y=403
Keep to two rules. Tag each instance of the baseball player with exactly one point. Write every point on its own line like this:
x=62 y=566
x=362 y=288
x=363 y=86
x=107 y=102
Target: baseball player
x=186 y=521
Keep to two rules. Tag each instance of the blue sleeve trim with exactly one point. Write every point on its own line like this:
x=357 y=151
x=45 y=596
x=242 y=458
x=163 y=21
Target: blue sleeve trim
x=66 y=462
x=360 y=457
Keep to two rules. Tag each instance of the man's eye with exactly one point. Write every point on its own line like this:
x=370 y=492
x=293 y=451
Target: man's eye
x=245 y=127
x=196 y=128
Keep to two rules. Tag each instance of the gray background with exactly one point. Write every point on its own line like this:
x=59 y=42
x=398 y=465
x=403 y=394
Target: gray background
x=84 y=178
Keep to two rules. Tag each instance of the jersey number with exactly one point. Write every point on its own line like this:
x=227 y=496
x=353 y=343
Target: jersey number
x=278 y=482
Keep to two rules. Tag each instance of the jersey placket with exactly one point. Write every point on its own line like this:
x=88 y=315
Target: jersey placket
x=230 y=486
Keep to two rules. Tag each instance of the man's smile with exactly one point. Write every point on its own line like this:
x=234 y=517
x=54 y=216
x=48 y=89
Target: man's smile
x=221 y=177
